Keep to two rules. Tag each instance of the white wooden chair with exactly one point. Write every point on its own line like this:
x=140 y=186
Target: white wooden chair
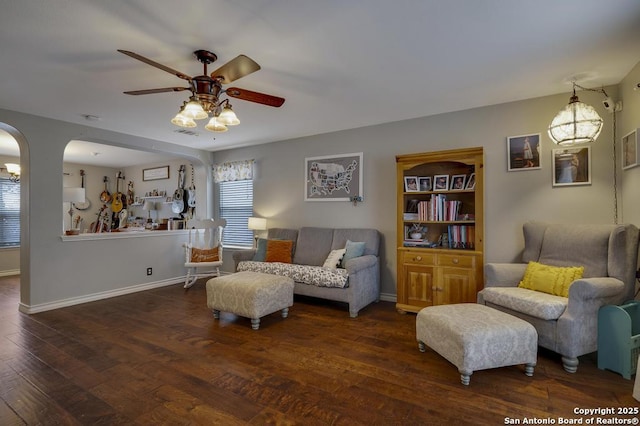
x=203 y=252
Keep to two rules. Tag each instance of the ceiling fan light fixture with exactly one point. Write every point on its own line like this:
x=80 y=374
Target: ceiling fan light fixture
x=576 y=123
x=215 y=125
x=193 y=109
x=183 y=121
x=228 y=117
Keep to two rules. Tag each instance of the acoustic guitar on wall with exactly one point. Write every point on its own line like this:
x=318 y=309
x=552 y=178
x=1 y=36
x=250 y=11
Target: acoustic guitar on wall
x=105 y=195
x=116 y=202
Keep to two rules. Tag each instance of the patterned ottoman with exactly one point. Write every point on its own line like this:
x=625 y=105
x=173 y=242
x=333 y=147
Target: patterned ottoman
x=250 y=294
x=476 y=337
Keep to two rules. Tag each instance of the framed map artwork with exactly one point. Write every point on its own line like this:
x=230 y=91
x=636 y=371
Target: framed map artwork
x=333 y=177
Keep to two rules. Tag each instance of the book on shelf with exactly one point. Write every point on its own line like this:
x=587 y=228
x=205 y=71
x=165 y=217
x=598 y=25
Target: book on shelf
x=462 y=236
x=418 y=243
x=438 y=208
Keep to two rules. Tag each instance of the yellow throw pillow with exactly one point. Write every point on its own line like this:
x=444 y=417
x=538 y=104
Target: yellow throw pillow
x=204 y=255
x=550 y=279
x=279 y=251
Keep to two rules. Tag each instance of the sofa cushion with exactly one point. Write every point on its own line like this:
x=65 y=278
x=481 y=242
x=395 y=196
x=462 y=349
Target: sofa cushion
x=352 y=250
x=279 y=251
x=261 y=250
x=313 y=275
x=334 y=258
x=370 y=237
x=535 y=303
x=550 y=279
x=313 y=246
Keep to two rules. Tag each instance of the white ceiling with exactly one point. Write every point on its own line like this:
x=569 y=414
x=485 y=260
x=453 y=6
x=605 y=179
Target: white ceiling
x=340 y=64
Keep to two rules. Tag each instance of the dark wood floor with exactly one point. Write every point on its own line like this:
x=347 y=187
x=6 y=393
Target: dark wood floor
x=159 y=357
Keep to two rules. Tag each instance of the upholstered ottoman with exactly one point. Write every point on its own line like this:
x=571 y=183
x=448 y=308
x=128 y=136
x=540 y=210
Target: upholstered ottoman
x=250 y=294
x=476 y=337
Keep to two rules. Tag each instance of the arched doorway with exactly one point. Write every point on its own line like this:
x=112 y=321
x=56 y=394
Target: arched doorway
x=8 y=132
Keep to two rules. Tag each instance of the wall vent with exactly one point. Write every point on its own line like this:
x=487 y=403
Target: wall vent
x=187 y=132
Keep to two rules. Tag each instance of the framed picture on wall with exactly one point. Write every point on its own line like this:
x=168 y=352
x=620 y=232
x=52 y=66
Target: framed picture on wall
x=523 y=152
x=333 y=177
x=630 y=149
x=571 y=166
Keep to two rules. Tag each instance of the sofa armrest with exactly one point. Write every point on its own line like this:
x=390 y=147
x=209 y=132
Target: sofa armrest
x=503 y=274
x=240 y=255
x=359 y=263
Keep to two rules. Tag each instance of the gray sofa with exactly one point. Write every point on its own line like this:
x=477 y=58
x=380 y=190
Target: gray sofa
x=313 y=245
x=567 y=325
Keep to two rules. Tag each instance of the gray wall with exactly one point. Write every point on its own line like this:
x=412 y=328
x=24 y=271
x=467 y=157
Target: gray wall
x=55 y=270
x=511 y=198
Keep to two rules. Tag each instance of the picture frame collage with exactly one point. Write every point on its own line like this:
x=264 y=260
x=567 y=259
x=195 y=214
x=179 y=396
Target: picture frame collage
x=438 y=183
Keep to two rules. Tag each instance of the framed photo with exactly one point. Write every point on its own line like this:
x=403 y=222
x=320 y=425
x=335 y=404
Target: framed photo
x=571 y=166
x=471 y=183
x=155 y=173
x=523 y=152
x=630 y=150
x=457 y=182
x=411 y=184
x=424 y=184
x=441 y=182
x=333 y=177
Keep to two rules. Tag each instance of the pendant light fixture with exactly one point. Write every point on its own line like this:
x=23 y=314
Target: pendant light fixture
x=576 y=123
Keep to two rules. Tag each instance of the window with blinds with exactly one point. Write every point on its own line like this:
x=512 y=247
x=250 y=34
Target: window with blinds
x=236 y=206
x=9 y=213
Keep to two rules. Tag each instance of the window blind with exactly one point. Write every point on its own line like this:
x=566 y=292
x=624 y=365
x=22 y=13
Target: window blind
x=236 y=206
x=9 y=213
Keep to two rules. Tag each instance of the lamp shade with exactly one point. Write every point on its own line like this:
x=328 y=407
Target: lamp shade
x=228 y=117
x=183 y=121
x=257 y=223
x=73 y=195
x=215 y=125
x=194 y=110
x=13 y=168
x=575 y=124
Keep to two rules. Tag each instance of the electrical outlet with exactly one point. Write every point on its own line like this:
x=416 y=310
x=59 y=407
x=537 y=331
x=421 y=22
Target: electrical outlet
x=149 y=271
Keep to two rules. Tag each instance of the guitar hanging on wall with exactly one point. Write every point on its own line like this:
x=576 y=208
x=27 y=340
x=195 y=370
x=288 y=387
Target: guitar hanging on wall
x=86 y=204
x=105 y=195
x=116 y=202
x=191 y=193
x=179 y=204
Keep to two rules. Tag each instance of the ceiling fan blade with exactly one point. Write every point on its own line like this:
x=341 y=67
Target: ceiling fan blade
x=236 y=68
x=155 y=64
x=161 y=90
x=248 y=95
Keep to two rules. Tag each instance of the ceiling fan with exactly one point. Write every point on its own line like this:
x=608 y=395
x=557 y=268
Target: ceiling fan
x=206 y=90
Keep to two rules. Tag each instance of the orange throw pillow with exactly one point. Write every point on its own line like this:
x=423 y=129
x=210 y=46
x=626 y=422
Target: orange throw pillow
x=279 y=251
x=204 y=255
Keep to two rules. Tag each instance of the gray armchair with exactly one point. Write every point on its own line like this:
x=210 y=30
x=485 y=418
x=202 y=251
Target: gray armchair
x=567 y=326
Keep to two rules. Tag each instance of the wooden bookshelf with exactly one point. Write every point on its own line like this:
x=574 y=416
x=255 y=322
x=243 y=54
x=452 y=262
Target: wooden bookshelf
x=444 y=265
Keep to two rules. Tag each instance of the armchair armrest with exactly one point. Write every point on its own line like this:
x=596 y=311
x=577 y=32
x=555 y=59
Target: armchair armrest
x=595 y=288
x=503 y=274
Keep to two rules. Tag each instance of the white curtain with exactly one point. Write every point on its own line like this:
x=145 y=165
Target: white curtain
x=232 y=171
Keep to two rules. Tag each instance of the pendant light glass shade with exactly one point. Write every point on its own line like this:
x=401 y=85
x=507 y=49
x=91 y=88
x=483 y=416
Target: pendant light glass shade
x=183 y=121
x=576 y=123
x=194 y=110
x=215 y=125
x=228 y=117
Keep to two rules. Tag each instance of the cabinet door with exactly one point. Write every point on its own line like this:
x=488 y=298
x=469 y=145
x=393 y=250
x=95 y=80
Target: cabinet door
x=418 y=283
x=455 y=285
